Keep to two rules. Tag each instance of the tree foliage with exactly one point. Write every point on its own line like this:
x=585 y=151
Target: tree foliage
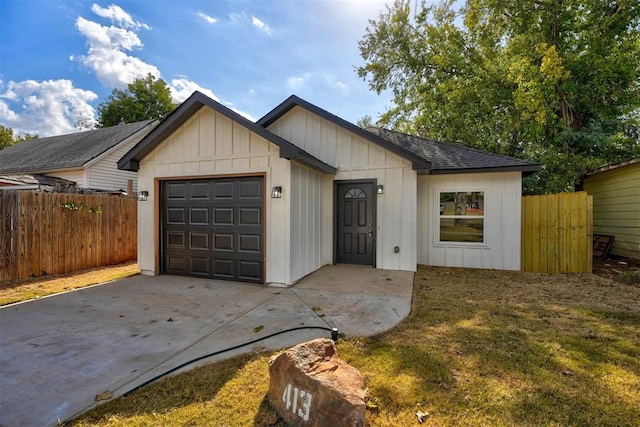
x=7 y=138
x=555 y=81
x=144 y=99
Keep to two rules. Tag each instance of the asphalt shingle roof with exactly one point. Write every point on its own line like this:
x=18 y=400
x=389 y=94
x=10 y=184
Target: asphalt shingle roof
x=64 y=151
x=452 y=158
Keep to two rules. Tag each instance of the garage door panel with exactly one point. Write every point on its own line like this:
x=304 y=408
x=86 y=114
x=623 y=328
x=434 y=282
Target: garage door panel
x=251 y=190
x=250 y=243
x=223 y=269
x=223 y=216
x=176 y=191
x=176 y=215
x=199 y=191
x=223 y=190
x=176 y=239
x=199 y=266
x=214 y=228
x=199 y=216
x=249 y=216
x=250 y=270
x=199 y=241
x=223 y=242
x=177 y=264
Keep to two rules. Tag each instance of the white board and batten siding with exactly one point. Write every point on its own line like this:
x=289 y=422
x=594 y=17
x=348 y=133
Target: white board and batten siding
x=209 y=145
x=502 y=215
x=311 y=220
x=357 y=158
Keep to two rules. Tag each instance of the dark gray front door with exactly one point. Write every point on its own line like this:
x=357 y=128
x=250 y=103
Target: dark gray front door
x=356 y=223
x=214 y=228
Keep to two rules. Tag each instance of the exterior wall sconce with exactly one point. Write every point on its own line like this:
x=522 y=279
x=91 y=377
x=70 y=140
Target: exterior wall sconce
x=380 y=189
x=143 y=196
x=276 y=192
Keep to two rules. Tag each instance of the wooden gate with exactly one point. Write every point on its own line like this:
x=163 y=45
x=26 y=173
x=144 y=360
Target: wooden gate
x=557 y=234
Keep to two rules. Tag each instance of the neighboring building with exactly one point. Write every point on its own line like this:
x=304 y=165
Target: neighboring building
x=35 y=182
x=616 y=205
x=272 y=201
x=88 y=159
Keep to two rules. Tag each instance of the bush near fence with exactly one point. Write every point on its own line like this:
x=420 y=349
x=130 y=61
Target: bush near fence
x=56 y=233
x=557 y=233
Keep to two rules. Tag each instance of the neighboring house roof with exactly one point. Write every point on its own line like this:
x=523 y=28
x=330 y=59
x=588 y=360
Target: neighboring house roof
x=419 y=163
x=131 y=160
x=614 y=166
x=452 y=158
x=65 y=151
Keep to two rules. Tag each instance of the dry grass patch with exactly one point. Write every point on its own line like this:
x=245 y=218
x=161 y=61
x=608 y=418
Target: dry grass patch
x=480 y=347
x=37 y=288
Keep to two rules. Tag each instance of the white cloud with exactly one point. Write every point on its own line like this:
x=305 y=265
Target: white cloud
x=209 y=19
x=236 y=17
x=106 y=54
x=182 y=88
x=298 y=82
x=342 y=86
x=260 y=25
x=50 y=107
x=118 y=17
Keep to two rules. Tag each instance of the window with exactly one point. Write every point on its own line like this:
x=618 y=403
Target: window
x=462 y=216
x=355 y=193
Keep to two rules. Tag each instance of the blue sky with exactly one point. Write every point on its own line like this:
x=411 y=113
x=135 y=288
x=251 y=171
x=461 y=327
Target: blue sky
x=60 y=58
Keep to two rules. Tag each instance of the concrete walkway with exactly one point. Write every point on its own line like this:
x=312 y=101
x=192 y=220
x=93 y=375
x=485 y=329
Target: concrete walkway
x=58 y=353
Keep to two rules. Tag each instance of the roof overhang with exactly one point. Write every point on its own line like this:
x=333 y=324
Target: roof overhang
x=525 y=169
x=131 y=160
x=614 y=166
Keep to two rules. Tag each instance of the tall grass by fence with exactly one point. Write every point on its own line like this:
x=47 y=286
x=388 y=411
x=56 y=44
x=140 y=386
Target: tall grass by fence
x=557 y=234
x=55 y=233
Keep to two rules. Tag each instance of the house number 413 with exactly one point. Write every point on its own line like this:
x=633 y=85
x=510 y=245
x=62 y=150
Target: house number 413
x=298 y=401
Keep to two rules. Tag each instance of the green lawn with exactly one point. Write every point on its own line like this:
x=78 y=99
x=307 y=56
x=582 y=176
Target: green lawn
x=480 y=347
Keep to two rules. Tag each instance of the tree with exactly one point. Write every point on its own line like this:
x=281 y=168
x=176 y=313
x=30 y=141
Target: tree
x=7 y=139
x=144 y=99
x=553 y=81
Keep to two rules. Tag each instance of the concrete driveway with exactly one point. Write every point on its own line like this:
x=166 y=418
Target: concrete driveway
x=58 y=353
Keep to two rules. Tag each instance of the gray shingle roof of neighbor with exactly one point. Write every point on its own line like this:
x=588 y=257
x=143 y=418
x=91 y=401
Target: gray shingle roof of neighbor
x=452 y=158
x=66 y=151
x=197 y=100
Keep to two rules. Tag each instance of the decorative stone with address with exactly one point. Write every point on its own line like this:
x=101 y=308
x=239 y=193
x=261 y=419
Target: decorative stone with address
x=311 y=386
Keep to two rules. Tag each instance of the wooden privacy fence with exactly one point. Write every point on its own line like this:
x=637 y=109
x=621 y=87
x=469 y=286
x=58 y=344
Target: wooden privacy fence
x=557 y=234
x=54 y=233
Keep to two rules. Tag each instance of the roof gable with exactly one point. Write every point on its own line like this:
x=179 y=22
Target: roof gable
x=131 y=160
x=452 y=158
x=419 y=163
x=64 y=151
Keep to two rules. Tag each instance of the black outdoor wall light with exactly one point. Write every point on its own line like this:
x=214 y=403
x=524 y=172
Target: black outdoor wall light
x=276 y=192
x=143 y=196
x=380 y=189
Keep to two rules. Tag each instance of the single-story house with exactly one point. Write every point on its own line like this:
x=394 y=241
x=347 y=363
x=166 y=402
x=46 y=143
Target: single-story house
x=88 y=159
x=616 y=205
x=272 y=201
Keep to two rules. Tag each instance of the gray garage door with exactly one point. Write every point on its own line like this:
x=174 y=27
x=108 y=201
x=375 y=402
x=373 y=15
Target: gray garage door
x=214 y=228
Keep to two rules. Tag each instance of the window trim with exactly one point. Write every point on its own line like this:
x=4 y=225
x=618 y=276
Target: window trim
x=437 y=239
